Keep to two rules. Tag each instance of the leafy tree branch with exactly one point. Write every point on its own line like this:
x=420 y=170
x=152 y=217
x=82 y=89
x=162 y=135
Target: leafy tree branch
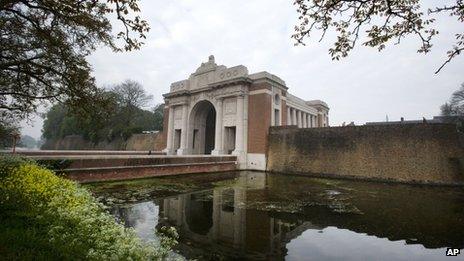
x=377 y=22
x=45 y=44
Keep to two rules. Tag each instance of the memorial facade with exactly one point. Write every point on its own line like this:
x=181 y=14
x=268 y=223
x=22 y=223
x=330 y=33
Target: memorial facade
x=220 y=110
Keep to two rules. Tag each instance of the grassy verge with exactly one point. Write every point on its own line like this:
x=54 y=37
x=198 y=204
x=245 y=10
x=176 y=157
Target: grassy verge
x=46 y=217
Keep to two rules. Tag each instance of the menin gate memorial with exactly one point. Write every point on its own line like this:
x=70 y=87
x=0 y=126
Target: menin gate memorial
x=220 y=110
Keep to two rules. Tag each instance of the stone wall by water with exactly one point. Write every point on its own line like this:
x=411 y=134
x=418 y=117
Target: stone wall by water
x=417 y=153
x=152 y=141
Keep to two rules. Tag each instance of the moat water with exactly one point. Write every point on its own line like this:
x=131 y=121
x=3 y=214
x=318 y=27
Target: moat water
x=261 y=216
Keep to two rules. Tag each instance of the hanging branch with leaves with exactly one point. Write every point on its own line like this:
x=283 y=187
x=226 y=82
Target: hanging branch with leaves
x=376 y=22
x=45 y=44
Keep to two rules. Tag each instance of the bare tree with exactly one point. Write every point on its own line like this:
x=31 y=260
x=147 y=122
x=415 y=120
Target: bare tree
x=378 y=22
x=131 y=94
x=456 y=104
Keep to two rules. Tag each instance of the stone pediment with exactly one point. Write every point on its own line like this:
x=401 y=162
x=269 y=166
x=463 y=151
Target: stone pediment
x=209 y=66
x=208 y=74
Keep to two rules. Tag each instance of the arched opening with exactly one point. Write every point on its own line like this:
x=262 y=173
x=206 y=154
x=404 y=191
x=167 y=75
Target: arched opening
x=277 y=99
x=199 y=212
x=202 y=128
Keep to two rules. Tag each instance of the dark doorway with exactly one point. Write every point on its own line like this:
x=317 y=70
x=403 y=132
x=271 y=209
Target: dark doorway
x=177 y=139
x=202 y=128
x=229 y=145
x=210 y=130
x=199 y=212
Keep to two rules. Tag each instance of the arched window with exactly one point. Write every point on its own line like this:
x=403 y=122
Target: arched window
x=277 y=99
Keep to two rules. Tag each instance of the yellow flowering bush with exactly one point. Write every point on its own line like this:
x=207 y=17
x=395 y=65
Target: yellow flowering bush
x=64 y=220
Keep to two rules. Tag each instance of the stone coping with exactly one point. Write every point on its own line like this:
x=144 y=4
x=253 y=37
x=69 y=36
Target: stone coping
x=45 y=157
x=147 y=166
x=82 y=152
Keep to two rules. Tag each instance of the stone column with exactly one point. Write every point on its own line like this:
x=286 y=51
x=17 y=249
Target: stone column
x=183 y=150
x=298 y=118
x=170 y=134
x=301 y=119
x=293 y=116
x=289 y=116
x=245 y=123
x=218 y=140
x=239 y=130
x=305 y=122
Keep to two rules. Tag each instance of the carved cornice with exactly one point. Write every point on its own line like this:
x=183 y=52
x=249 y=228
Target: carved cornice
x=235 y=81
x=176 y=94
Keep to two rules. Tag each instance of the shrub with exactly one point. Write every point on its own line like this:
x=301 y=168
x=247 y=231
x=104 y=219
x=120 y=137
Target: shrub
x=44 y=216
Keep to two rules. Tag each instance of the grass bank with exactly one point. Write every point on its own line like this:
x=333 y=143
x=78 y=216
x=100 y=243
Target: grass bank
x=46 y=217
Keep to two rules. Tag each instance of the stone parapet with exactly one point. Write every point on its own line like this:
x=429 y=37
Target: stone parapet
x=61 y=153
x=92 y=168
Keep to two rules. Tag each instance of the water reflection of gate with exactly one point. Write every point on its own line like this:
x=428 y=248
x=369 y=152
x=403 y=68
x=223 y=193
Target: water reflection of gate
x=259 y=213
x=218 y=218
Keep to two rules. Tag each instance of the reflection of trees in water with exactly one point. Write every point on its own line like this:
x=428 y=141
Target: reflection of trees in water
x=125 y=215
x=131 y=215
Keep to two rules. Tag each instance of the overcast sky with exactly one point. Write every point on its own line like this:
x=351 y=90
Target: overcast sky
x=366 y=86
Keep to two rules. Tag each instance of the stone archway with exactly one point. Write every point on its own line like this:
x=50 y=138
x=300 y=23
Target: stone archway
x=202 y=125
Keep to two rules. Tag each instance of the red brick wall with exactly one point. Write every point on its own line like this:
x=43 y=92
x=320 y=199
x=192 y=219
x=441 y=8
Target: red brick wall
x=259 y=120
x=259 y=86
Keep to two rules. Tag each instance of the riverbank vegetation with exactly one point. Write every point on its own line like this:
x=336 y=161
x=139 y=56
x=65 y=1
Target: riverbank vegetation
x=46 y=217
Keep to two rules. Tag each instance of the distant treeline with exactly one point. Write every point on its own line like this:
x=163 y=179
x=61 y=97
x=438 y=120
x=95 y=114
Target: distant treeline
x=119 y=116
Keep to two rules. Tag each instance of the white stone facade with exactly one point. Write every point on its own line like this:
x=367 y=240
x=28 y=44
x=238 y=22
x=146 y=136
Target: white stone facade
x=217 y=108
x=307 y=114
